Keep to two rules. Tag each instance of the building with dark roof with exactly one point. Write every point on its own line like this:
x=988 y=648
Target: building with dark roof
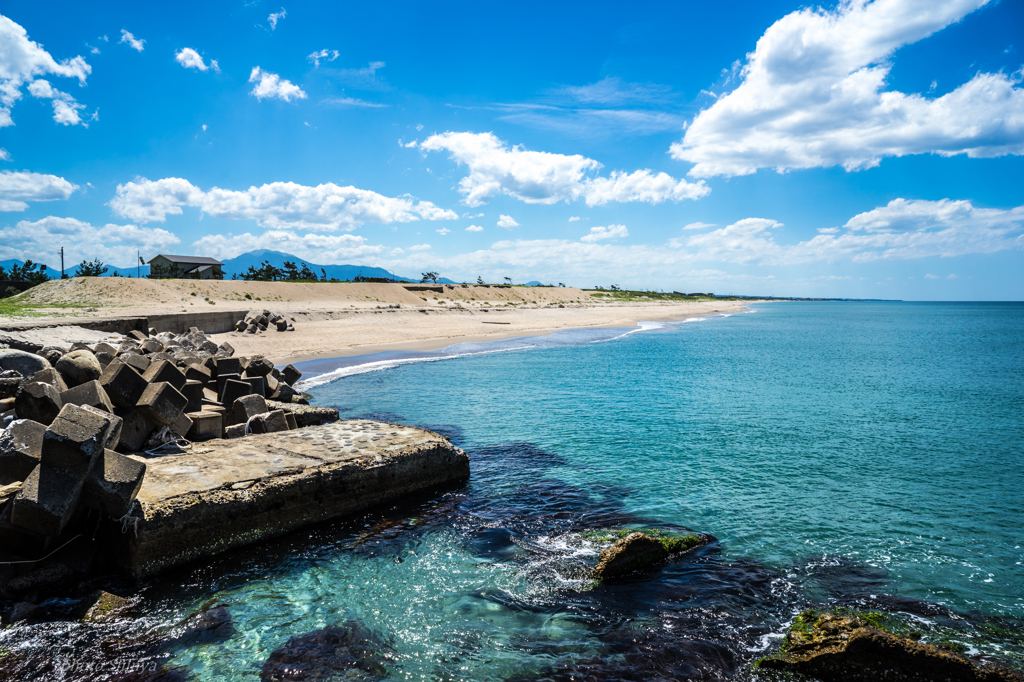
x=165 y=266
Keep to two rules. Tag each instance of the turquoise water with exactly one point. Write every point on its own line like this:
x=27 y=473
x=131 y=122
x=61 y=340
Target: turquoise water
x=868 y=455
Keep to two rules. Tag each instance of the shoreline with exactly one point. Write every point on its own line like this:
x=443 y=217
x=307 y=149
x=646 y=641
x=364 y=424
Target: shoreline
x=324 y=340
x=440 y=343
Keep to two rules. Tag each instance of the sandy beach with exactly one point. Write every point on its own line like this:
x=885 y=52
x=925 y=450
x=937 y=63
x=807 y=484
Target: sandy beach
x=343 y=319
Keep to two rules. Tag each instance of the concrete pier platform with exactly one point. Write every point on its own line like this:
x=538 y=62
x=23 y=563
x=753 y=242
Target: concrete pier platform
x=224 y=494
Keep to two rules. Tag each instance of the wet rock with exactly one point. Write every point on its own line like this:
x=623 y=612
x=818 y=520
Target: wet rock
x=834 y=646
x=348 y=652
x=78 y=367
x=22 y=362
x=634 y=552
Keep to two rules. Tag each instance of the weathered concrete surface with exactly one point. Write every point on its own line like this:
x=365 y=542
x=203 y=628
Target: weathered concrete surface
x=224 y=494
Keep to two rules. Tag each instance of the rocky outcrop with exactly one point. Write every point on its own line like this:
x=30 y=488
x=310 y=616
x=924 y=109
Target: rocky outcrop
x=834 y=646
x=638 y=552
x=348 y=651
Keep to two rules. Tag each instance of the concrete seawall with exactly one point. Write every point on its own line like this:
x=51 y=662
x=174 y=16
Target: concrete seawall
x=229 y=493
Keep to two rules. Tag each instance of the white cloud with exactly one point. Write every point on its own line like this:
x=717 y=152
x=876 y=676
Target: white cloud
x=191 y=59
x=900 y=230
x=4 y=155
x=828 y=230
x=610 y=232
x=271 y=85
x=813 y=95
x=613 y=90
x=352 y=102
x=574 y=218
x=65 y=108
x=473 y=216
x=361 y=79
x=276 y=17
x=443 y=231
x=322 y=56
x=317 y=248
x=42 y=239
x=697 y=226
x=133 y=42
x=474 y=228
x=18 y=188
x=21 y=60
x=276 y=205
x=546 y=178
x=420 y=247
x=952 y=277
x=507 y=221
x=931 y=276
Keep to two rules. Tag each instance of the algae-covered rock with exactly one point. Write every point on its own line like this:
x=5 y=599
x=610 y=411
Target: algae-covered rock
x=636 y=551
x=105 y=606
x=833 y=646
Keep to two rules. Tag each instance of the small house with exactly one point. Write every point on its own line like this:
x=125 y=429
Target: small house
x=166 y=266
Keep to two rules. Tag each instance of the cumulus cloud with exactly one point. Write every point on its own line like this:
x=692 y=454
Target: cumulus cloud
x=65 y=108
x=547 y=178
x=276 y=205
x=901 y=230
x=610 y=232
x=322 y=56
x=420 y=247
x=814 y=94
x=443 y=231
x=474 y=228
x=111 y=243
x=507 y=221
x=133 y=42
x=276 y=17
x=318 y=248
x=574 y=218
x=698 y=226
x=191 y=59
x=929 y=276
x=18 y=188
x=273 y=86
x=21 y=60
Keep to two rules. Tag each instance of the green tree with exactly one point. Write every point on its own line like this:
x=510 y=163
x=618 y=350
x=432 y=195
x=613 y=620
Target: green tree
x=479 y=280
x=96 y=268
x=26 y=272
x=429 y=277
x=264 y=273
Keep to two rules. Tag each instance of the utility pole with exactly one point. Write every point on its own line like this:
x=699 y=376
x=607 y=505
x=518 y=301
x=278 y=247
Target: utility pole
x=62 y=275
x=138 y=266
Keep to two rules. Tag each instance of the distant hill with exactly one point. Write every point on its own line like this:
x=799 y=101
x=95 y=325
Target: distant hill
x=240 y=264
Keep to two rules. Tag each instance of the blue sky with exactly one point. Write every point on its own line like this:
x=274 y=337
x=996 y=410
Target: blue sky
x=865 y=149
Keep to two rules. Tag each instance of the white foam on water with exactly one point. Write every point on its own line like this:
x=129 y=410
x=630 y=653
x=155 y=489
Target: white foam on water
x=380 y=365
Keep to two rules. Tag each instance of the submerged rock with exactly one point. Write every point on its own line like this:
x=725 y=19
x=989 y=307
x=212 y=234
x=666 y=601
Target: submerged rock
x=638 y=551
x=349 y=651
x=837 y=646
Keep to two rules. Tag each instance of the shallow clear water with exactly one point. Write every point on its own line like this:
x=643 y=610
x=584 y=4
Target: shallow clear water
x=860 y=454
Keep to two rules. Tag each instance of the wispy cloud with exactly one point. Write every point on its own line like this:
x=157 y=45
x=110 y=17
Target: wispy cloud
x=276 y=17
x=323 y=56
x=352 y=102
x=133 y=42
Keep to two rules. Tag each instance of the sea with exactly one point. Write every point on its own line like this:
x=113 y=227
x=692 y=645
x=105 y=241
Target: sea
x=859 y=455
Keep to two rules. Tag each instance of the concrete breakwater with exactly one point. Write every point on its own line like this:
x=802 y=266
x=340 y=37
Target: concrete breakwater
x=229 y=493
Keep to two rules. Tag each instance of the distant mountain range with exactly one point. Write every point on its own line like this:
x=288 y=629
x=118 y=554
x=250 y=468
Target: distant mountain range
x=241 y=264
